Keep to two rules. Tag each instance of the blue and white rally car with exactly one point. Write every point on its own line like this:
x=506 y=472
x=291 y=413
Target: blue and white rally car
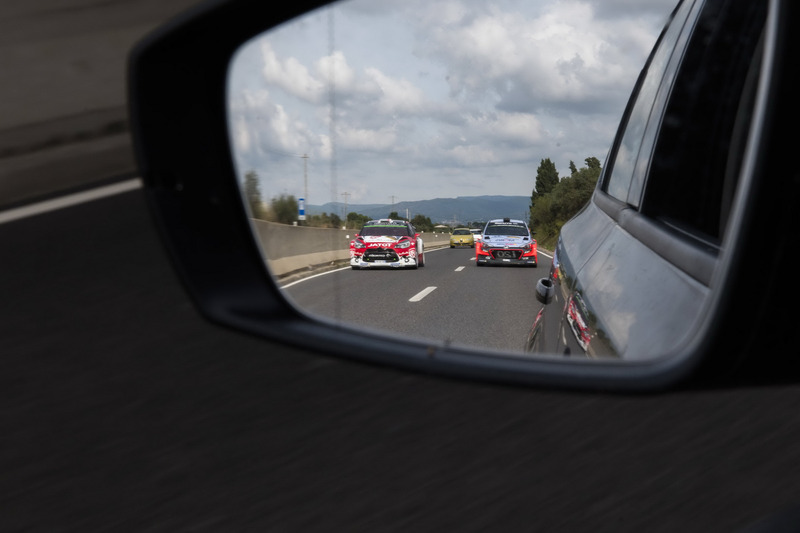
x=506 y=242
x=387 y=243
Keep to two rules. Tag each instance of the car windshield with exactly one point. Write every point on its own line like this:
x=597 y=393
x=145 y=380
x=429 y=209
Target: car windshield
x=385 y=230
x=506 y=229
x=461 y=232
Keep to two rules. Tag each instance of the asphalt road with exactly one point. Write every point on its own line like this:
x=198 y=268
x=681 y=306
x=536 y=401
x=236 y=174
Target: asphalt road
x=63 y=108
x=449 y=300
x=123 y=410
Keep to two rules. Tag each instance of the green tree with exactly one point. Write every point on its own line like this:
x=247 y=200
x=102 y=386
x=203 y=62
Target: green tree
x=324 y=220
x=546 y=180
x=394 y=215
x=554 y=209
x=252 y=191
x=284 y=209
x=422 y=223
x=592 y=163
x=355 y=220
x=572 y=168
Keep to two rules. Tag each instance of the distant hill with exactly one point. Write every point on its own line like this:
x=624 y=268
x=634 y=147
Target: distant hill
x=461 y=210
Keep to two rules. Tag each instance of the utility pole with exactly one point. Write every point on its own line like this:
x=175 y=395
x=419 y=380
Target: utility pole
x=345 y=194
x=304 y=199
x=305 y=176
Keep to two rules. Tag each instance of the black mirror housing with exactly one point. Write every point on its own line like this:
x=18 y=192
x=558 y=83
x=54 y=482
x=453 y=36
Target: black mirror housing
x=177 y=95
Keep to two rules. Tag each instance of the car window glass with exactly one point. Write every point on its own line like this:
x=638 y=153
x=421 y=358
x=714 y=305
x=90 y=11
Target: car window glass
x=505 y=229
x=397 y=231
x=689 y=173
x=620 y=173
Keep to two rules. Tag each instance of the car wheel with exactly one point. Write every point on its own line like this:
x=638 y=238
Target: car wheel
x=354 y=267
x=421 y=260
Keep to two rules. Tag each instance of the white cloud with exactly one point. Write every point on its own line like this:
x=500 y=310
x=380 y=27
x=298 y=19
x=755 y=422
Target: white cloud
x=396 y=96
x=423 y=89
x=362 y=140
x=290 y=75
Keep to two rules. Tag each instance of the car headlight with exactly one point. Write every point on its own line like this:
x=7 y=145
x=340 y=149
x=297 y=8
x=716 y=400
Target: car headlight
x=359 y=245
x=402 y=245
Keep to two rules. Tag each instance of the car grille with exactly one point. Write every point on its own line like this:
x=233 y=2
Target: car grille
x=506 y=254
x=380 y=254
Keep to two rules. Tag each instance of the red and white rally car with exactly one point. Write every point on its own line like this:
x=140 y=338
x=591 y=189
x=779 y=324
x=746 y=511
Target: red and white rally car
x=387 y=243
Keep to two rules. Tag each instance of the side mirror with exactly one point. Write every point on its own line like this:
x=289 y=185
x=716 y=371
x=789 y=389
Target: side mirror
x=198 y=205
x=545 y=290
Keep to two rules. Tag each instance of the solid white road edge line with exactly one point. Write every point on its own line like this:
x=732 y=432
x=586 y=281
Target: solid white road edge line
x=69 y=200
x=422 y=294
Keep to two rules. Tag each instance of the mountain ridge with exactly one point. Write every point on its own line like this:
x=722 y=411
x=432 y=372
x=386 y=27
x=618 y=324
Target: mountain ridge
x=458 y=210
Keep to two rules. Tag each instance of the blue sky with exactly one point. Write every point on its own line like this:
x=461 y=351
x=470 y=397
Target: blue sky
x=419 y=99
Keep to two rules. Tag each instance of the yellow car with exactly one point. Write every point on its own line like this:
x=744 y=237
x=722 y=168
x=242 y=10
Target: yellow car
x=462 y=237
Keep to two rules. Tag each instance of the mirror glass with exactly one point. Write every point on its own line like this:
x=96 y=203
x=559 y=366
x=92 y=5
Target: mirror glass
x=444 y=114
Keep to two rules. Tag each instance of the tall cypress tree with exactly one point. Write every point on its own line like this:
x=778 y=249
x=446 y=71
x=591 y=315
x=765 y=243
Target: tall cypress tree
x=546 y=179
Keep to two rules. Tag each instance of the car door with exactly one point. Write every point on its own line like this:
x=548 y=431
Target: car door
x=632 y=271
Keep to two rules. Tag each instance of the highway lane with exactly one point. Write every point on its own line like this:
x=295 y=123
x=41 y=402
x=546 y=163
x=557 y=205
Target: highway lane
x=449 y=300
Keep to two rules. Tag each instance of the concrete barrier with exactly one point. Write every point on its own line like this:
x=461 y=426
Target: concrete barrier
x=300 y=250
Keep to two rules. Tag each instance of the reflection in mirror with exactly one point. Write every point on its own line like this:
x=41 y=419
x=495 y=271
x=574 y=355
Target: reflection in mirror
x=366 y=134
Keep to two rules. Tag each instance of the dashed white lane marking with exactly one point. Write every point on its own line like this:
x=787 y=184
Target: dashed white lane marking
x=459 y=269
x=422 y=294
